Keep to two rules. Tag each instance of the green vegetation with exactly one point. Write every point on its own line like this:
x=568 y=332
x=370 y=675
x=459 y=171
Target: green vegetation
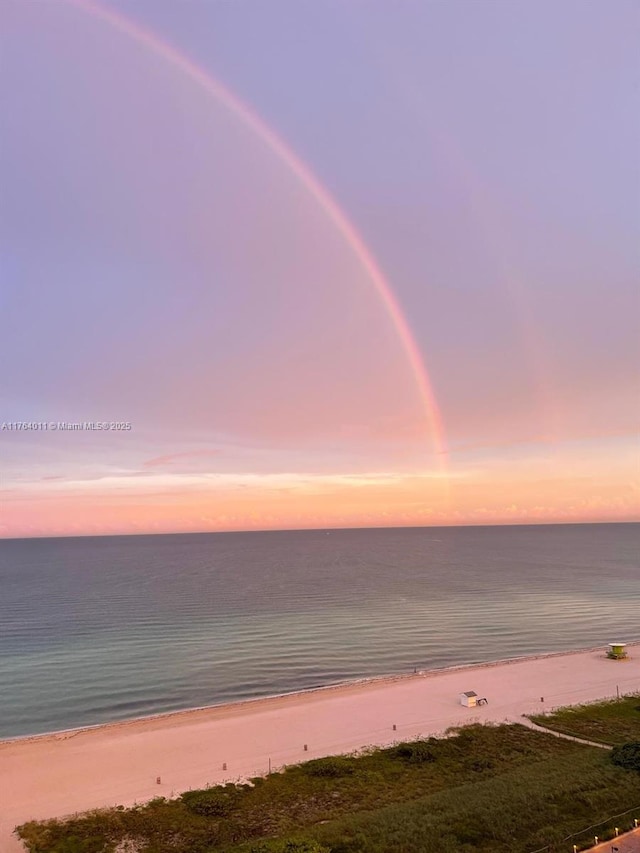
x=627 y=756
x=613 y=722
x=503 y=789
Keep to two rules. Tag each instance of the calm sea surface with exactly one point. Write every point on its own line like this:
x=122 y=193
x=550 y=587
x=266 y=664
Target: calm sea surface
x=109 y=628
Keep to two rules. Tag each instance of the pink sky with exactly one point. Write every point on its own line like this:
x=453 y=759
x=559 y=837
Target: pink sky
x=408 y=248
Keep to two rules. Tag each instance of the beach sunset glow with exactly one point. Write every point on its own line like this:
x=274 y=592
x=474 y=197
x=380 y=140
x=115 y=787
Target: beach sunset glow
x=293 y=338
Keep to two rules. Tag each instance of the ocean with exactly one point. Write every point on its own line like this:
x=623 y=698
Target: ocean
x=98 y=629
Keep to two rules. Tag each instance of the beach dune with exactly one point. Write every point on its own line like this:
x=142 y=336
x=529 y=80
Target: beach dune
x=119 y=764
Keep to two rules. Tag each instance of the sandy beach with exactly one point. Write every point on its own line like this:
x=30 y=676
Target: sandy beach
x=59 y=774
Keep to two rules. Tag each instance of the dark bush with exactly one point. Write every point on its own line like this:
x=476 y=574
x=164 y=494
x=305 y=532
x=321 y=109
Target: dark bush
x=289 y=847
x=482 y=763
x=417 y=752
x=332 y=767
x=627 y=755
x=213 y=802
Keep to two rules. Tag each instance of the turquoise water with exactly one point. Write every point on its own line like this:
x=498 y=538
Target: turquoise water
x=109 y=628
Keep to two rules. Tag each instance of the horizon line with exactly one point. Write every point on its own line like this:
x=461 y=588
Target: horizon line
x=546 y=523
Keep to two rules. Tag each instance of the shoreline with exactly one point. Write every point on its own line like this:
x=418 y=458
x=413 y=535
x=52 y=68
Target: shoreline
x=128 y=762
x=239 y=704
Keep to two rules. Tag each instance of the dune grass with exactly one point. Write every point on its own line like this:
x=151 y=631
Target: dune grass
x=519 y=811
x=488 y=788
x=613 y=722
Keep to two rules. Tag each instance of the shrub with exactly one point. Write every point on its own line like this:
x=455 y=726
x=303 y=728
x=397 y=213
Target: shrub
x=482 y=763
x=417 y=752
x=332 y=767
x=80 y=845
x=627 y=755
x=213 y=802
x=302 y=846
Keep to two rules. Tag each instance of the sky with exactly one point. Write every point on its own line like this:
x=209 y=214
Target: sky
x=318 y=264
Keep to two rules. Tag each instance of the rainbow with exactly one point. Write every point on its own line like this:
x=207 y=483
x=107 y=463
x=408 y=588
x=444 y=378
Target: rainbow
x=309 y=181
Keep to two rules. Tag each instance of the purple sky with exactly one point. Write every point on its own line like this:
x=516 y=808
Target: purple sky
x=161 y=265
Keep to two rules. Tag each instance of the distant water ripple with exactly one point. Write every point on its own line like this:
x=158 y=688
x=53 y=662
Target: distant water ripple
x=109 y=628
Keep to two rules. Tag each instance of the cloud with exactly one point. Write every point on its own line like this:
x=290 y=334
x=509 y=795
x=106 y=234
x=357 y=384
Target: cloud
x=170 y=458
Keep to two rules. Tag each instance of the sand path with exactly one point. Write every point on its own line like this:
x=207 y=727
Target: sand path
x=530 y=724
x=59 y=774
x=628 y=843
